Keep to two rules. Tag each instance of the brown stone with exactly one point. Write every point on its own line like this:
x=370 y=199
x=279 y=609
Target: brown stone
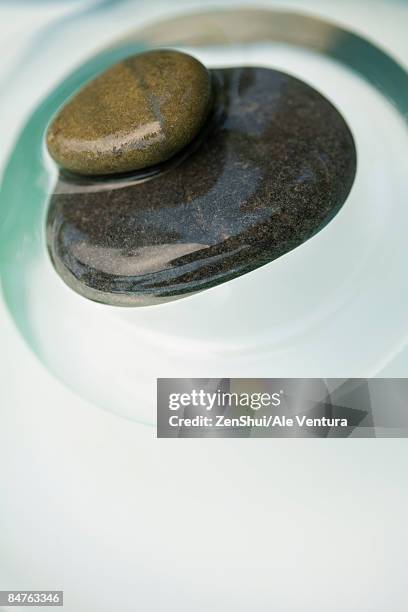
x=138 y=113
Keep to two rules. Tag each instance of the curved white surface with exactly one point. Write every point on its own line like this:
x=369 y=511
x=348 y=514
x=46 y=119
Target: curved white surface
x=94 y=504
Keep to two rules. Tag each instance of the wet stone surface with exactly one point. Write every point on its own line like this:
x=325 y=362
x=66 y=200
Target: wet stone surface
x=137 y=113
x=275 y=163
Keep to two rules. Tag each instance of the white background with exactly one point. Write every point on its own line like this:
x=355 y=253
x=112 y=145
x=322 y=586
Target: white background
x=95 y=505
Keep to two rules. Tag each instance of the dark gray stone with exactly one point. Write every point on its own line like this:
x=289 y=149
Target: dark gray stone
x=274 y=165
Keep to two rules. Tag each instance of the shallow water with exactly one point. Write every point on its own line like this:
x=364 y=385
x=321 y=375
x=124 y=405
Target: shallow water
x=286 y=316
